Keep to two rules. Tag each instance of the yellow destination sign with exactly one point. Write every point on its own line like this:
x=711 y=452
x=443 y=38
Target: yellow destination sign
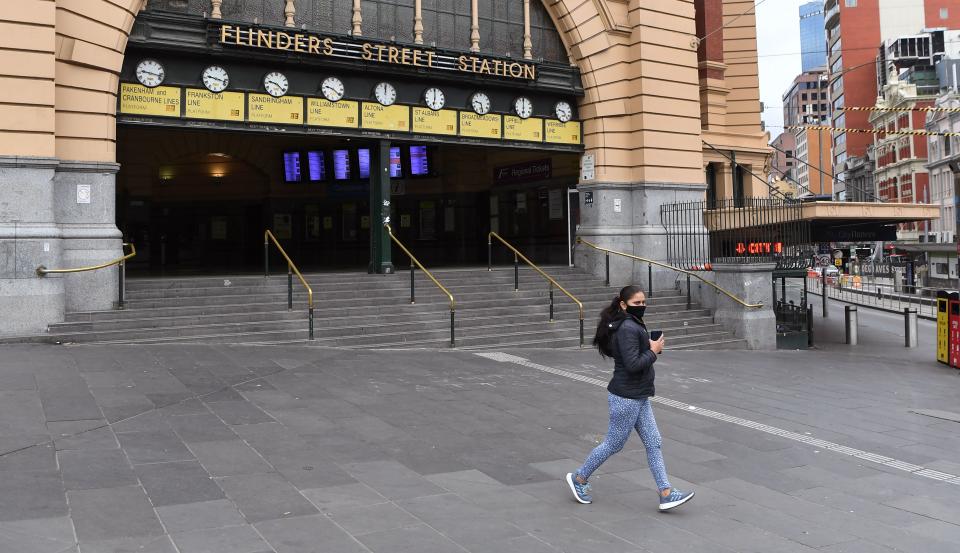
x=443 y=121
x=385 y=118
x=515 y=128
x=479 y=126
x=162 y=101
x=263 y=108
x=562 y=133
x=324 y=113
x=203 y=104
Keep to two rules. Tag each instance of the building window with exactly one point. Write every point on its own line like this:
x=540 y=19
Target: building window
x=823 y=107
x=823 y=95
x=851 y=3
x=803 y=96
x=943 y=13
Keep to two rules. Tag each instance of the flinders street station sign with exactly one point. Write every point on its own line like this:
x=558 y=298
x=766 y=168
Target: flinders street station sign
x=312 y=44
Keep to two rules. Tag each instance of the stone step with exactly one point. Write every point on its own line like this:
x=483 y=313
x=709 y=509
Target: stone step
x=348 y=318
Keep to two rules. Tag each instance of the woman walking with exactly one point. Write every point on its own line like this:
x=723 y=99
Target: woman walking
x=621 y=334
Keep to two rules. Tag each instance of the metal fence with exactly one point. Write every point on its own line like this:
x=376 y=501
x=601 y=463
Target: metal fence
x=747 y=230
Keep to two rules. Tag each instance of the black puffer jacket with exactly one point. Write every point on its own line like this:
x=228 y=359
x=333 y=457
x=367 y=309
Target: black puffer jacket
x=633 y=372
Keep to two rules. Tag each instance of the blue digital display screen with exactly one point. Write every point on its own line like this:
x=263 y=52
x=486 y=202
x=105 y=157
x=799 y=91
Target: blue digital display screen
x=316 y=165
x=291 y=166
x=419 y=161
x=341 y=164
x=363 y=160
x=396 y=168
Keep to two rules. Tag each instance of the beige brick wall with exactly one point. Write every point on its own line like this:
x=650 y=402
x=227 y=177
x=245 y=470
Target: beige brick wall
x=27 y=73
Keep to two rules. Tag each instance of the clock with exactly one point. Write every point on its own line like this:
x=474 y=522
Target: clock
x=385 y=93
x=523 y=107
x=276 y=84
x=332 y=89
x=150 y=73
x=215 y=78
x=434 y=98
x=480 y=103
x=564 y=111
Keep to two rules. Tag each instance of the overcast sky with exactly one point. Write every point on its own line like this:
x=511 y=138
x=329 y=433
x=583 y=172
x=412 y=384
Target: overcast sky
x=778 y=45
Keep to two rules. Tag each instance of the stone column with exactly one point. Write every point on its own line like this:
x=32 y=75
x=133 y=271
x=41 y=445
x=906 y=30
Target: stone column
x=751 y=283
x=29 y=238
x=634 y=228
x=84 y=202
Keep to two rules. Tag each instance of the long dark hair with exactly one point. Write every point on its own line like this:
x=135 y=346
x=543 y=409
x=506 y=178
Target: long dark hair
x=604 y=333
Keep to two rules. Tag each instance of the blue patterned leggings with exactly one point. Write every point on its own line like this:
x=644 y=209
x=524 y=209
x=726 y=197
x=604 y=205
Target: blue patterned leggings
x=626 y=415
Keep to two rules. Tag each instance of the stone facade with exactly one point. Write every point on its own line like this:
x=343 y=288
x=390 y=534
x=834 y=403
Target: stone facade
x=659 y=105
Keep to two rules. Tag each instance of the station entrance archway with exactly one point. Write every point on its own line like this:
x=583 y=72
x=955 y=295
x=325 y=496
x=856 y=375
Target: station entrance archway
x=198 y=201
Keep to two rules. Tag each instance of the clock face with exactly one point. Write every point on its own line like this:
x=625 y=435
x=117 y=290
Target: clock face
x=332 y=89
x=385 y=94
x=150 y=73
x=564 y=111
x=523 y=107
x=276 y=84
x=480 y=103
x=434 y=98
x=215 y=78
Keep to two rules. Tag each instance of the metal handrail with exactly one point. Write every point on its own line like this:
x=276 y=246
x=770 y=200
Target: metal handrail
x=43 y=271
x=291 y=269
x=672 y=268
x=414 y=262
x=516 y=275
x=120 y=262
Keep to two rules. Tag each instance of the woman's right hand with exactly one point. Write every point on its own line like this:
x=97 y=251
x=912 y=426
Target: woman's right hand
x=656 y=346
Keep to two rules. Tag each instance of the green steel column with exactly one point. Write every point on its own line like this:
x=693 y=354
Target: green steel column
x=380 y=247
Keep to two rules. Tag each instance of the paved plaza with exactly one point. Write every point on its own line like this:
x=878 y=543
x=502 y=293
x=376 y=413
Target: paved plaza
x=210 y=449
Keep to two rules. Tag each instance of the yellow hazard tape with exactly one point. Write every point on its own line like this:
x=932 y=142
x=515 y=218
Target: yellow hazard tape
x=871 y=131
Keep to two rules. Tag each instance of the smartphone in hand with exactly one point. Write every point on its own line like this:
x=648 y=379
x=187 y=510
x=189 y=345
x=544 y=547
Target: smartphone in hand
x=655 y=335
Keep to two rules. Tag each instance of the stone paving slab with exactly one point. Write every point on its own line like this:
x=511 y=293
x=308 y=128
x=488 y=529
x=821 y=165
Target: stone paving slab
x=180 y=449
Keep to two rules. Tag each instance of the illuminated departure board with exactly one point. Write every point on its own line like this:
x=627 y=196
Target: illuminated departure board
x=396 y=170
x=341 y=164
x=291 y=166
x=316 y=165
x=363 y=160
x=419 y=162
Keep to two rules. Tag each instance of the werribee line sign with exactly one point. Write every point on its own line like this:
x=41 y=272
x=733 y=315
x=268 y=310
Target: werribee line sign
x=313 y=44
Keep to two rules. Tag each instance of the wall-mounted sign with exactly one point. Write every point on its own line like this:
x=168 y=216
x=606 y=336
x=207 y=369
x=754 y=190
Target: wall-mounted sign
x=442 y=121
x=203 y=104
x=384 y=118
x=479 y=126
x=758 y=248
x=530 y=129
x=324 y=113
x=313 y=44
x=587 y=167
x=84 y=193
x=562 y=133
x=528 y=171
x=286 y=110
x=161 y=101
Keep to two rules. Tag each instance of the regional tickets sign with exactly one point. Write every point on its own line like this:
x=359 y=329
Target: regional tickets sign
x=324 y=113
x=515 y=128
x=162 y=101
x=263 y=108
x=203 y=104
x=442 y=121
x=385 y=118
x=562 y=133
x=479 y=126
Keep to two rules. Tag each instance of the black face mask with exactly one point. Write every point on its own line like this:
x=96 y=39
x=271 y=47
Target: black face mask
x=636 y=310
